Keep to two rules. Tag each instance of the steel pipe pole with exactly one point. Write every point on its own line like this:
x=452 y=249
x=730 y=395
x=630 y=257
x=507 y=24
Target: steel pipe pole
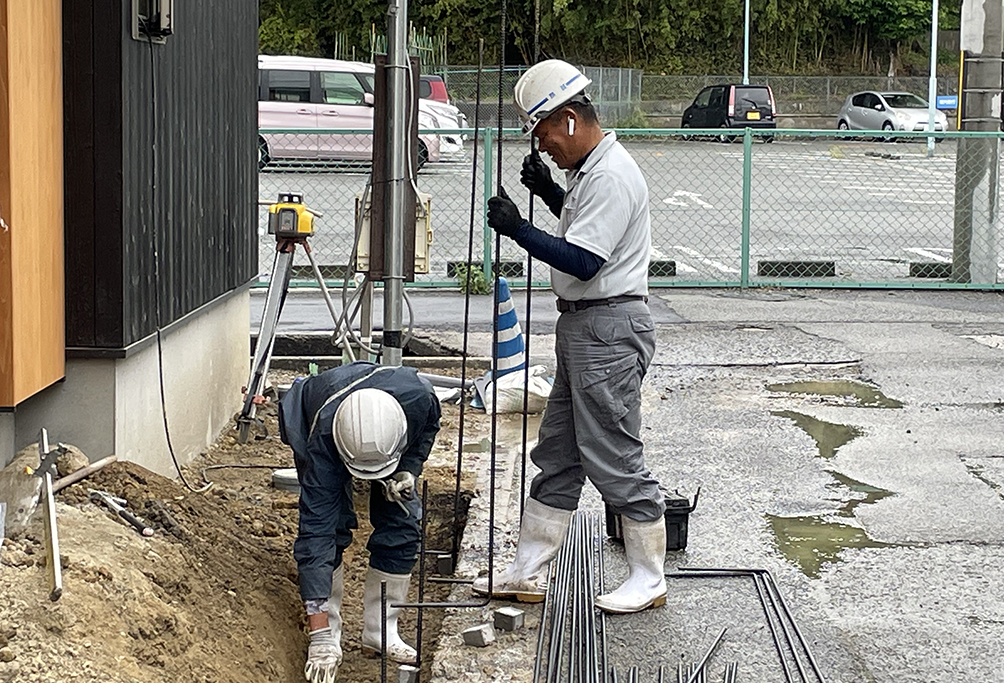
x=398 y=135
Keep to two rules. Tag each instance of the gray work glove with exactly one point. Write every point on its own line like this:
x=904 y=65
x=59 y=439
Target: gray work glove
x=399 y=487
x=323 y=657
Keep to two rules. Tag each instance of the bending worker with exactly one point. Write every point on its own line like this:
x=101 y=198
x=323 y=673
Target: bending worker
x=604 y=339
x=376 y=423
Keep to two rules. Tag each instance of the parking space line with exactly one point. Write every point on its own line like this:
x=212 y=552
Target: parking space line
x=928 y=254
x=717 y=265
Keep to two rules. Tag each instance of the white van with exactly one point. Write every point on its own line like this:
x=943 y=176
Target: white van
x=302 y=94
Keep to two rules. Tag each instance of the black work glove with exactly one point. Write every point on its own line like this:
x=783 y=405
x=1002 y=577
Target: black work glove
x=503 y=216
x=536 y=177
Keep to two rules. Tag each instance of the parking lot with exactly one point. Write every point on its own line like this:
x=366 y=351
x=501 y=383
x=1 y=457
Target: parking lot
x=871 y=207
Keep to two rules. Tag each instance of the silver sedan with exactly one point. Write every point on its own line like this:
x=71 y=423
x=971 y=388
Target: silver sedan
x=887 y=111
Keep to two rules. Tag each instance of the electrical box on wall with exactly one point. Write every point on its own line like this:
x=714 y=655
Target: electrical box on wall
x=152 y=20
x=423 y=234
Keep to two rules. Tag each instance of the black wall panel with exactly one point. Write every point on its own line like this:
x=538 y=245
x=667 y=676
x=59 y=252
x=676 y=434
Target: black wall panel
x=160 y=166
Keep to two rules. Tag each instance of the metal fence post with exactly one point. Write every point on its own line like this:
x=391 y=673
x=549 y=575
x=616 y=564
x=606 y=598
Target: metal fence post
x=488 y=165
x=747 y=176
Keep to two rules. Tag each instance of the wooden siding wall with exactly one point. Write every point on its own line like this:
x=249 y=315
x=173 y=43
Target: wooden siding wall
x=31 y=199
x=163 y=209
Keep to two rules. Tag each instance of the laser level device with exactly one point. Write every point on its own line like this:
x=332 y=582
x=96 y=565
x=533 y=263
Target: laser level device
x=289 y=217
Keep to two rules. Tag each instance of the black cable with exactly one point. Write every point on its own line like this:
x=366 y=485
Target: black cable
x=156 y=258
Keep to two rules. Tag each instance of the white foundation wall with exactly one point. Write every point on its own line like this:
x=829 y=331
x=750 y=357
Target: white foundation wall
x=107 y=406
x=205 y=365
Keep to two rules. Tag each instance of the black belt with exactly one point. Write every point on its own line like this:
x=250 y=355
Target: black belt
x=565 y=306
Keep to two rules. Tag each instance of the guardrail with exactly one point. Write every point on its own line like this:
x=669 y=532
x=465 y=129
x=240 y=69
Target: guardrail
x=729 y=209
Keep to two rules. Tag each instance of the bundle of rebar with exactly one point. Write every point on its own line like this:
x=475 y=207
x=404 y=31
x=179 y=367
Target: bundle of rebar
x=778 y=615
x=575 y=636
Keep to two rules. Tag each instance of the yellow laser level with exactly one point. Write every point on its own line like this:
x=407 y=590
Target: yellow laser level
x=289 y=217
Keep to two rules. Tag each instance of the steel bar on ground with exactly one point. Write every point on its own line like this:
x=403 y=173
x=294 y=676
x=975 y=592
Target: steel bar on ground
x=768 y=579
x=662 y=674
x=548 y=604
x=681 y=672
x=770 y=625
x=574 y=641
x=633 y=675
x=784 y=630
x=560 y=612
x=603 y=615
x=707 y=655
x=594 y=658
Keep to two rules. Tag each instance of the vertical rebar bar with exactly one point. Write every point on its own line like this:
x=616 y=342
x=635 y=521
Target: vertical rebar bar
x=421 y=580
x=383 y=632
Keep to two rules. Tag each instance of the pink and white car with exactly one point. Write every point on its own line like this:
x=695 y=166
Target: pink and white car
x=303 y=93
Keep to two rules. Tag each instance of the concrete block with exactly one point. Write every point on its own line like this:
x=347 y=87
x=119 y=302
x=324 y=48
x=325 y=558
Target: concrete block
x=509 y=618
x=407 y=674
x=480 y=635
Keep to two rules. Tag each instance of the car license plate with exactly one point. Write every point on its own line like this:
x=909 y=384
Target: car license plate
x=753 y=115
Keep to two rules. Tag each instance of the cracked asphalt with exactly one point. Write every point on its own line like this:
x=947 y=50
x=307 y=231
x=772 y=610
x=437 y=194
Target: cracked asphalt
x=850 y=442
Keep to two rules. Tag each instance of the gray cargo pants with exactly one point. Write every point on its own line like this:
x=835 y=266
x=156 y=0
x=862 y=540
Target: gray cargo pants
x=592 y=422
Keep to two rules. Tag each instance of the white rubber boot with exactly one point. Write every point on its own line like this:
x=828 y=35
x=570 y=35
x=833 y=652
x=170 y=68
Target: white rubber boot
x=397 y=592
x=540 y=537
x=335 y=604
x=645 y=548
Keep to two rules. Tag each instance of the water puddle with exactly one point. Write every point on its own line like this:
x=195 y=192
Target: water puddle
x=829 y=437
x=863 y=395
x=810 y=542
x=872 y=494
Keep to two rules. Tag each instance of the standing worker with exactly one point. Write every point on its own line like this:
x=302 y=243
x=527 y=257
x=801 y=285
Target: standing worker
x=604 y=339
x=372 y=422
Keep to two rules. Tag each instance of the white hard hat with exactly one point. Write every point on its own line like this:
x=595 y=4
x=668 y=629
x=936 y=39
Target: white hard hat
x=544 y=87
x=370 y=431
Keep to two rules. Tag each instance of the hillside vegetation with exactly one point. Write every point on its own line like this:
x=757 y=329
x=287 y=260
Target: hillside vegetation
x=877 y=37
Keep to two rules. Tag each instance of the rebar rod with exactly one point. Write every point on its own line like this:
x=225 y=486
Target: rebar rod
x=421 y=580
x=707 y=655
x=594 y=658
x=770 y=625
x=769 y=578
x=560 y=612
x=784 y=630
x=383 y=632
x=548 y=604
x=662 y=674
x=603 y=615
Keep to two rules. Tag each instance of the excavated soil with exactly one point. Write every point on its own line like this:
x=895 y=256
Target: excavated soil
x=212 y=596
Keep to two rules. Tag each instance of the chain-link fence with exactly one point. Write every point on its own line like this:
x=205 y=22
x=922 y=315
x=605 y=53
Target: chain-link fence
x=787 y=208
x=795 y=95
x=616 y=93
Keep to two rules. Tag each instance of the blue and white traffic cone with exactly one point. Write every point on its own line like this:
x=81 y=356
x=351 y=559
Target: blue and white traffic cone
x=511 y=349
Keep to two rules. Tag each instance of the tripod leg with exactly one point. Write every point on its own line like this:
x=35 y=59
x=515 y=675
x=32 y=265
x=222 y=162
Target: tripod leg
x=277 y=287
x=337 y=319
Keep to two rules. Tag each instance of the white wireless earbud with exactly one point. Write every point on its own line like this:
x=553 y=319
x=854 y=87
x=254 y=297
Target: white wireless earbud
x=571 y=126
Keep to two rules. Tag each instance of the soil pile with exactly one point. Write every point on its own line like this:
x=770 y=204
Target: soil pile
x=212 y=596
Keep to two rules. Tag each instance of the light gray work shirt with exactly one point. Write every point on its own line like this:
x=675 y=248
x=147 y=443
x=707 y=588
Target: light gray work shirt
x=606 y=212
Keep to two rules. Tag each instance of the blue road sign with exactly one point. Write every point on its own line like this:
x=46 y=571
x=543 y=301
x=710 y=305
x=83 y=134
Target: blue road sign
x=947 y=102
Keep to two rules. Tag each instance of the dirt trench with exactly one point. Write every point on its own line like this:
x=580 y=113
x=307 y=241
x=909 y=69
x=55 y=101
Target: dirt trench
x=213 y=595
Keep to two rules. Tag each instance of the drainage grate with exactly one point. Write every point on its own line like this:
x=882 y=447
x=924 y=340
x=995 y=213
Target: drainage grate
x=796 y=268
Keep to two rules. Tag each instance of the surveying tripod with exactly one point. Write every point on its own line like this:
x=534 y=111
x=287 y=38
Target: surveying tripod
x=292 y=223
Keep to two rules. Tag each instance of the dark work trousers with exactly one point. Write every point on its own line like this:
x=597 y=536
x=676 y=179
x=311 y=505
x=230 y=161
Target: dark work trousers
x=393 y=544
x=592 y=423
